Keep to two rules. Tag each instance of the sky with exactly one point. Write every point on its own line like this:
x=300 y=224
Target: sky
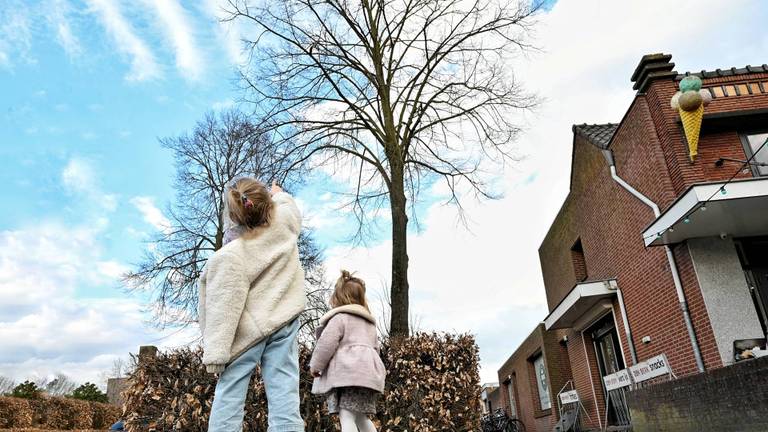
x=88 y=87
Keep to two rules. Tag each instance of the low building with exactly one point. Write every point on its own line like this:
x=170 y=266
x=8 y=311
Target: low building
x=655 y=252
x=530 y=380
x=490 y=398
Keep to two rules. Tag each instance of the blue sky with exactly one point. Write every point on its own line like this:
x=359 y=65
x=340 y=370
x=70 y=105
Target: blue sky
x=88 y=87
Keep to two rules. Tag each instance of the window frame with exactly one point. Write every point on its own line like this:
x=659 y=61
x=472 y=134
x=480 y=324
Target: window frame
x=512 y=396
x=744 y=137
x=541 y=387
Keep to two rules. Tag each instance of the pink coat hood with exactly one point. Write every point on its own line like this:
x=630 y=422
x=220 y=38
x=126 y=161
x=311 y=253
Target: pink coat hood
x=347 y=351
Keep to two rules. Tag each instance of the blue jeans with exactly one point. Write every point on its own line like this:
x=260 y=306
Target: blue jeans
x=278 y=356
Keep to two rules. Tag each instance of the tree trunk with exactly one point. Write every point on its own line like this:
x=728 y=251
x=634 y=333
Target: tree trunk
x=399 y=289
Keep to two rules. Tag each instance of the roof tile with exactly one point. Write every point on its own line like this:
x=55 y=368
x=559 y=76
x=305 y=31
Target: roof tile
x=726 y=72
x=598 y=134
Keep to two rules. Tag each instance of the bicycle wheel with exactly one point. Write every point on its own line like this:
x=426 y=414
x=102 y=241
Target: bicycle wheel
x=516 y=425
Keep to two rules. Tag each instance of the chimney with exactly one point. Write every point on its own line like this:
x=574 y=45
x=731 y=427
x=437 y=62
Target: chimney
x=650 y=68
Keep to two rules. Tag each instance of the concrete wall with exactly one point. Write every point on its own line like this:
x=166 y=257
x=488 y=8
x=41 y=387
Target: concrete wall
x=115 y=388
x=726 y=293
x=733 y=398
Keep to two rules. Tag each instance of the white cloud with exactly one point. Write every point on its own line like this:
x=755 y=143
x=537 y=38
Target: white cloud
x=78 y=175
x=15 y=34
x=112 y=269
x=223 y=104
x=46 y=326
x=143 y=65
x=488 y=280
x=229 y=33
x=152 y=215
x=174 y=22
x=58 y=12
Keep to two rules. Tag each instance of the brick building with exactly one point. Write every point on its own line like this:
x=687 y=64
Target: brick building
x=531 y=378
x=652 y=253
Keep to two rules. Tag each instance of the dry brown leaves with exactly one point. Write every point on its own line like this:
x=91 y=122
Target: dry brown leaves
x=433 y=385
x=56 y=413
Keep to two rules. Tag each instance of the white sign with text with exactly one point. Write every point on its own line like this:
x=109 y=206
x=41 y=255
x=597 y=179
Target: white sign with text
x=651 y=368
x=617 y=380
x=569 y=397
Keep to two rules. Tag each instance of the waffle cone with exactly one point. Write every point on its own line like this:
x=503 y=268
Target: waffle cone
x=692 y=127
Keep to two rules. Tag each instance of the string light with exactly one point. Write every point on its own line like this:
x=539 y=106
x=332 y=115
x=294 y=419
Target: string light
x=722 y=190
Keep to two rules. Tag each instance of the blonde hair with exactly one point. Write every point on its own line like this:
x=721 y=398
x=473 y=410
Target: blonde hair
x=250 y=203
x=349 y=290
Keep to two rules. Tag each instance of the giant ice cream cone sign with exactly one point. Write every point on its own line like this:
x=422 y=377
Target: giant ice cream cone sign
x=690 y=102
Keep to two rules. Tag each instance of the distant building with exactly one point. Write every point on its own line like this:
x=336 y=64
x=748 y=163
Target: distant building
x=489 y=397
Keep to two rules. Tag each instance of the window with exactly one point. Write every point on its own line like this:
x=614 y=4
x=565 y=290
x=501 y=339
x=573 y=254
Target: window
x=541 y=381
x=752 y=143
x=511 y=394
x=579 y=264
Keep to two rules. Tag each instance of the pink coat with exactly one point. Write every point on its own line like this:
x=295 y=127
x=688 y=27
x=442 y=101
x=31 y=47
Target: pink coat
x=347 y=351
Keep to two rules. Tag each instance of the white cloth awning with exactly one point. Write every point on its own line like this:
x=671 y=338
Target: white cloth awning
x=741 y=212
x=582 y=298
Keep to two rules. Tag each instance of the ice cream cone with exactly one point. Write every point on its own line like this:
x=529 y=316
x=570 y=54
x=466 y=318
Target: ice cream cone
x=692 y=127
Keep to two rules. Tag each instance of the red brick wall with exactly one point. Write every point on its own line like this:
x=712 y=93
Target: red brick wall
x=651 y=155
x=712 y=145
x=520 y=366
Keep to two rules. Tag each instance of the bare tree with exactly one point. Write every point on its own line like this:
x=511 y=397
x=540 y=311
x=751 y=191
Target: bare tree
x=219 y=149
x=6 y=385
x=61 y=385
x=409 y=92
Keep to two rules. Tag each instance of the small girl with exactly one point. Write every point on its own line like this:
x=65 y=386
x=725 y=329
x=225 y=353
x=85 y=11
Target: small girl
x=251 y=295
x=346 y=363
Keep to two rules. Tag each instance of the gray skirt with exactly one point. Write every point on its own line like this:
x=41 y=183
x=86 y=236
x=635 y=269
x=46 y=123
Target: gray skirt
x=356 y=399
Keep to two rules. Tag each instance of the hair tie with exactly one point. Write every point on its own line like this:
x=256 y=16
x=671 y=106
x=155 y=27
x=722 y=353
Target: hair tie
x=246 y=202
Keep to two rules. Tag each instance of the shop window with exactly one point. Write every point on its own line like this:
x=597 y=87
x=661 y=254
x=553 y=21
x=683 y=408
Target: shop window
x=579 y=264
x=754 y=88
x=542 y=382
x=511 y=395
x=717 y=92
x=752 y=143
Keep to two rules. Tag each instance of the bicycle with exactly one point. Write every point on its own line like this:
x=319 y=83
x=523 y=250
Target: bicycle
x=498 y=421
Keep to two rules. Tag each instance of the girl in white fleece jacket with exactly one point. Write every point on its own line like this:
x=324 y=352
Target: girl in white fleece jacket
x=251 y=294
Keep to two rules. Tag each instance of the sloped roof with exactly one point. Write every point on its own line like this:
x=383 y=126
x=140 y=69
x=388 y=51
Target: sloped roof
x=726 y=72
x=598 y=134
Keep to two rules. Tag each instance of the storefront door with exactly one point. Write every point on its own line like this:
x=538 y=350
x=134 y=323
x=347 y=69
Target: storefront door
x=609 y=359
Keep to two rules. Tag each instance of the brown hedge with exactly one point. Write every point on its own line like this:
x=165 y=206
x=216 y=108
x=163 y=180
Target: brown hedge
x=432 y=385
x=56 y=413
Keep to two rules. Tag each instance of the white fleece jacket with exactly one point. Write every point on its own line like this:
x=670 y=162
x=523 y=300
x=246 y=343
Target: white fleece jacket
x=252 y=287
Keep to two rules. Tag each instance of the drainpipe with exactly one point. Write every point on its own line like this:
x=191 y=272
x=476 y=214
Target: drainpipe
x=627 y=330
x=672 y=265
